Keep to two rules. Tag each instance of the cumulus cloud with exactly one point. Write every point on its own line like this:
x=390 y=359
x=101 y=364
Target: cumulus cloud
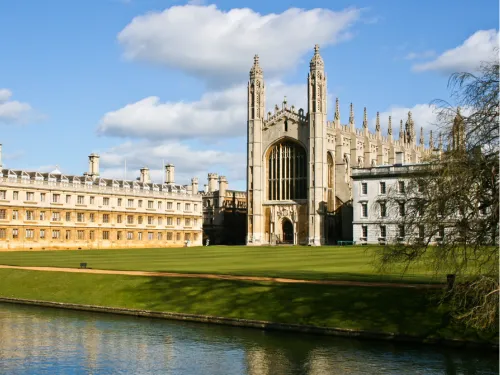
x=190 y=161
x=13 y=111
x=218 y=46
x=216 y=114
x=467 y=56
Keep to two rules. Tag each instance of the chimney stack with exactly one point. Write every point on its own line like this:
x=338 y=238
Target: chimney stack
x=94 y=165
x=194 y=185
x=169 y=174
x=212 y=182
x=145 y=177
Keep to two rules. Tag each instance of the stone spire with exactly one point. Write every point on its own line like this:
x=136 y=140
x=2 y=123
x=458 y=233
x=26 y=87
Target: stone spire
x=351 y=114
x=256 y=70
x=389 y=127
x=431 y=141
x=421 y=135
x=365 y=119
x=410 y=129
x=316 y=61
x=377 y=123
x=440 y=144
x=337 y=111
x=401 y=132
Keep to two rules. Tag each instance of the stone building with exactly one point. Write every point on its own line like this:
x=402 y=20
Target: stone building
x=224 y=212
x=299 y=163
x=56 y=211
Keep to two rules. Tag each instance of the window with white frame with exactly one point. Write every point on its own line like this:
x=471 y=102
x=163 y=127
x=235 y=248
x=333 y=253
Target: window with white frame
x=169 y=206
x=383 y=209
x=56 y=216
x=139 y=203
x=150 y=220
x=30 y=215
x=92 y=200
x=178 y=221
x=401 y=231
x=3 y=214
x=401 y=208
x=15 y=195
x=159 y=205
x=151 y=204
x=364 y=232
x=364 y=209
x=160 y=221
x=383 y=189
x=401 y=186
x=364 y=188
x=130 y=203
x=30 y=196
x=105 y=218
x=130 y=219
x=80 y=234
x=105 y=201
x=3 y=194
x=15 y=233
x=150 y=236
x=81 y=199
x=119 y=202
x=30 y=233
x=169 y=221
x=139 y=236
x=42 y=215
x=383 y=231
x=42 y=234
x=42 y=197
x=15 y=215
x=56 y=234
x=130 y=235
x=56 y=198
x=80 y=217
x=178 y=206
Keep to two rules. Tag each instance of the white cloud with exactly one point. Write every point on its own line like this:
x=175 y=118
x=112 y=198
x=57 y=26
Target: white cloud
x=466 y=57
x=12 y=111
x=219 y=46
x=189 y=161
x=218 y=114
x=420 y=55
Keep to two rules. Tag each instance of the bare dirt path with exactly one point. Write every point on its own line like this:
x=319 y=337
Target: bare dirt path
x=226 y=277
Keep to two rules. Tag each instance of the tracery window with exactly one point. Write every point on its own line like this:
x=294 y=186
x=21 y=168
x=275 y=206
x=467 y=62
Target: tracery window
x=287 y=172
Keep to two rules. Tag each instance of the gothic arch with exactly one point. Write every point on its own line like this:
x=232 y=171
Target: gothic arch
x=286 y=170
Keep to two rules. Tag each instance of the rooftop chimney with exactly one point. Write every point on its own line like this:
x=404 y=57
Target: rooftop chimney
x=194 y=185
x=145 y=177
x=94 y=165
x=169 y=174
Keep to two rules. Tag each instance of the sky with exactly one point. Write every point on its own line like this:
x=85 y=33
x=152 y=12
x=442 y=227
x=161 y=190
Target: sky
x=148 y=82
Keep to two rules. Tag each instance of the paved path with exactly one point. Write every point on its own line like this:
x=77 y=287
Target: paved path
x=227 y=277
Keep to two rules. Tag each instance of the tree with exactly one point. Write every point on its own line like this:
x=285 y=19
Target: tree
x=449 y=210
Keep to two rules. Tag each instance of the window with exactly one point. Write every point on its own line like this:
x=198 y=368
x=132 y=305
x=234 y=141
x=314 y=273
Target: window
x=119 y=219
x=160 y=221
x=68 y=235
x=178 y=221
x=15 y=195
x=195 y=222
x=3 y=214
x=169 y=205
x=56 y=234
x=401 y=230
x=15 y=215
x=68 y=216
x=151 y=204
x=92 y=200
x=139 y=203
x=42 y=215
x=383 y=231
x=56 y=198
x=80 y=199
x=42 y=197
x=105 y=201
x=30 y=215
x=383 y=209
x=130 y=219
x=68 y=199
x=187 y=236
x=150 y=220
x=80 y=217
x=30 y=234
x=421 y=231
x=139 y=220
x=3 y=194
x=187 y=221
x=56 y=216
x=441 y=231
x=364 y=210
x=178 y=236
x=42 y=234
x=420 y=186
x=160 y=236
x=80 y=234
x=119 y=202
x=139 y=236
x=401 y=186
x=151 y=236
x=195 y=208
x=15 y=233
x=382 y=188
x=187 y=207
x=169 y=221
x=119 y=235
x=30 y=196
x=364 y=188
x=169 y=236
x=130 y=235
x=159 y=205
x=130 y=203
x=401 y=209
x=92 y=235
x=105 y=218
x=105 y=235
x=178 y=206
x=92 y=217
x=364 y=231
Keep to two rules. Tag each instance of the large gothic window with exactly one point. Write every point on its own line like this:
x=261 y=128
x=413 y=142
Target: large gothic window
x=286 y=172
x=331 y=182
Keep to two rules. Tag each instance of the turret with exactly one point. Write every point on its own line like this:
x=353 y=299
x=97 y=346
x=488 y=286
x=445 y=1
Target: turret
x=145 y=177
x=212 y=182
x=222 y=189
x=170 y=174
x=458 y=132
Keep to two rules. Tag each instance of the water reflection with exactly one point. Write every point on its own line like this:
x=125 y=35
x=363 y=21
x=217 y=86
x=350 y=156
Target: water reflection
x=50 y=341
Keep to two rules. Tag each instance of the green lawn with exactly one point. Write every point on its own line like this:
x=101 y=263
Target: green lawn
x=396 y=310
x=334 y=263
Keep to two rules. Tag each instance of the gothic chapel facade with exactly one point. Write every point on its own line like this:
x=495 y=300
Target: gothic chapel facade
x=298 y=164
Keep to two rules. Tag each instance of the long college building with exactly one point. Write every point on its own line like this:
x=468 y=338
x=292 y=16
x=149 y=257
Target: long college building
x=55 y=211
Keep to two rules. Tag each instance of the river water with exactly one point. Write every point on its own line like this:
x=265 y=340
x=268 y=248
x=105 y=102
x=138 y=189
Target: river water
x=36 y=340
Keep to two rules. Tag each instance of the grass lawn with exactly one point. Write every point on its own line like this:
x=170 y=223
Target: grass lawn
x=334 y=263
x=397 y=310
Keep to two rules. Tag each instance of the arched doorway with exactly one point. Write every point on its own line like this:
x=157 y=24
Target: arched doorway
x=287 y=230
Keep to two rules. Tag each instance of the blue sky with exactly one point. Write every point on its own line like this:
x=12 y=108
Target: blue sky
x=153 y=81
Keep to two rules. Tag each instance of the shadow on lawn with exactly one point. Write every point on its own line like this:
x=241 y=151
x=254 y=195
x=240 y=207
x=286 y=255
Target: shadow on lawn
x=395 y=310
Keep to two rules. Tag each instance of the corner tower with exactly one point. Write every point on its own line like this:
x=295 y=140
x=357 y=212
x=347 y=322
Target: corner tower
x=318 y=167
x=255 y=119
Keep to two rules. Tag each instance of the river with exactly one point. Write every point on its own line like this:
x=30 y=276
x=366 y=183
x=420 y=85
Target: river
x=36 y=340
